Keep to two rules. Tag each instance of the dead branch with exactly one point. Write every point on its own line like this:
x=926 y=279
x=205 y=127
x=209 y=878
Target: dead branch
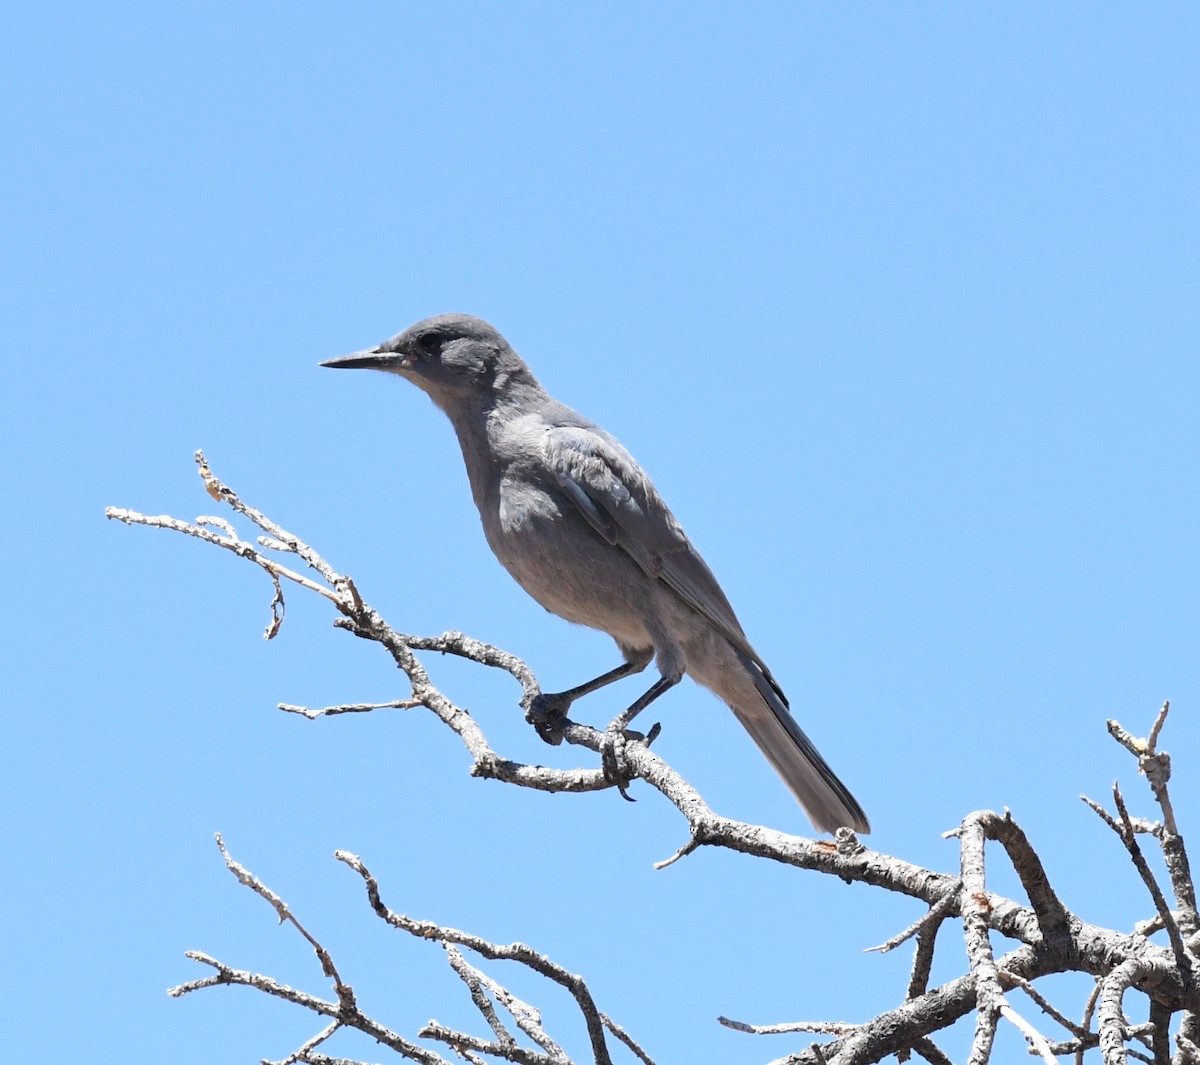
x=485 y=992
x=1044 y=937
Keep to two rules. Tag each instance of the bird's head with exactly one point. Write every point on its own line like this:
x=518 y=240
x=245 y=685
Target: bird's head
x=452 y=357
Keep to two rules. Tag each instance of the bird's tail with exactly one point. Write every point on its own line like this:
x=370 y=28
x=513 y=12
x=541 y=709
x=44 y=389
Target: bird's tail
x=825 y=799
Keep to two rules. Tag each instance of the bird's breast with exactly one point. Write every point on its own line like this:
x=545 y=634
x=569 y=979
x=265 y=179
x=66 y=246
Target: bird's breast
x=560 y=560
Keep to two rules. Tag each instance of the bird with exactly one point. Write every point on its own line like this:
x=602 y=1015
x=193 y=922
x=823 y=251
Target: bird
x=581 y=528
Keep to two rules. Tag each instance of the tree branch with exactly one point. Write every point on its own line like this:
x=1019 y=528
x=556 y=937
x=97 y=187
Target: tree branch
x=1047 y=937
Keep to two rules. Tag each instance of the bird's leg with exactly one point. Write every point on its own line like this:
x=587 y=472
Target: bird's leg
x=612 y=752
x=547 y=711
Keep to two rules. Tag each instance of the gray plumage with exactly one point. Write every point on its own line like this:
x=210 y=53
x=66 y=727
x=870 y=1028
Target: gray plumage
x=580 y=527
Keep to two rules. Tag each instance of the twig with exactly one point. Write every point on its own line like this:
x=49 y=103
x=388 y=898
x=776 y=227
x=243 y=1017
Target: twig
x=620 y=1033
x=347 y=708
x=1091 y=1040
x=1085 y=1023
x=1041 y=1002
x=224 y=494
x=517 y=952
x=239 y=547
x=936 y=914
x=1038 y=1041
x=791 y=1027
x=344 y=991
x=302 y=1052
x=345 y=1012
x=474 y=980
x=922 y=963
x=1125 y=832
x=1156 y=765
x=528 y=1019
x=350 y=1019
x=463 y=1043
x=325 y=1059
x=931 y=1052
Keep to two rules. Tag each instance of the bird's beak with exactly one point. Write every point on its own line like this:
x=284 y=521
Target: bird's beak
x=368 y=359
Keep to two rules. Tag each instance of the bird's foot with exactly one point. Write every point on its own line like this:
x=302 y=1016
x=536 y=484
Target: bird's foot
x=547 y=713
x=613 y=762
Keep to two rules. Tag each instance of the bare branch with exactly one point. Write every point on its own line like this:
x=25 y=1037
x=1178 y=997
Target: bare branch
x=324 y=1059
x=222 y=493
x=1091 y=1040
x=302 y=1052
x=1160 y=903
x=931 y=1052
x=1113 y=1032
x=1160 y=719
x=518 y=952
x=937 y=913
x=239 y=547
x=1160 y=1036
x=347 y=708
x=474 y=980
x=1049 y=938
x=975 y=907
x=1039 y=1043
x=346 y=1014
x=1156 y=765
x=351 y=1018
x=791 y=1027
x=528 y=1019
x=922 y=964
x=1045 y=1006
x=1089 y=1010
x=620 y=1033
x=1125 y=832
x=908 y=1026
x=463 y=1044
x=244 y=876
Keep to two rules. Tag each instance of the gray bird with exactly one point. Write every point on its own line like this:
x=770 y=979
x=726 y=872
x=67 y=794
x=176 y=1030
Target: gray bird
x=581 y=528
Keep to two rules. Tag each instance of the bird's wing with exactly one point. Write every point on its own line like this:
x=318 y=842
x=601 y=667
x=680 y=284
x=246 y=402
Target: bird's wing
x=617 y=498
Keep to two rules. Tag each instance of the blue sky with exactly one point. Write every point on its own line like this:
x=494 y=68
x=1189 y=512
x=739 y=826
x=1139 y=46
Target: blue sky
x=896 y=302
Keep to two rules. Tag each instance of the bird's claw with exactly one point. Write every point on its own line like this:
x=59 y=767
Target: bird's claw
x=612 y=760
x=547 y=714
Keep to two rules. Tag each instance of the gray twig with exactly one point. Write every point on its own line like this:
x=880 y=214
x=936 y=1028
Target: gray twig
x=518 y=952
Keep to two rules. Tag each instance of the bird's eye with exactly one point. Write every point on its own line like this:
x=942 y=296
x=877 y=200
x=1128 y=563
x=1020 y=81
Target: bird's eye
x=429 y=345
